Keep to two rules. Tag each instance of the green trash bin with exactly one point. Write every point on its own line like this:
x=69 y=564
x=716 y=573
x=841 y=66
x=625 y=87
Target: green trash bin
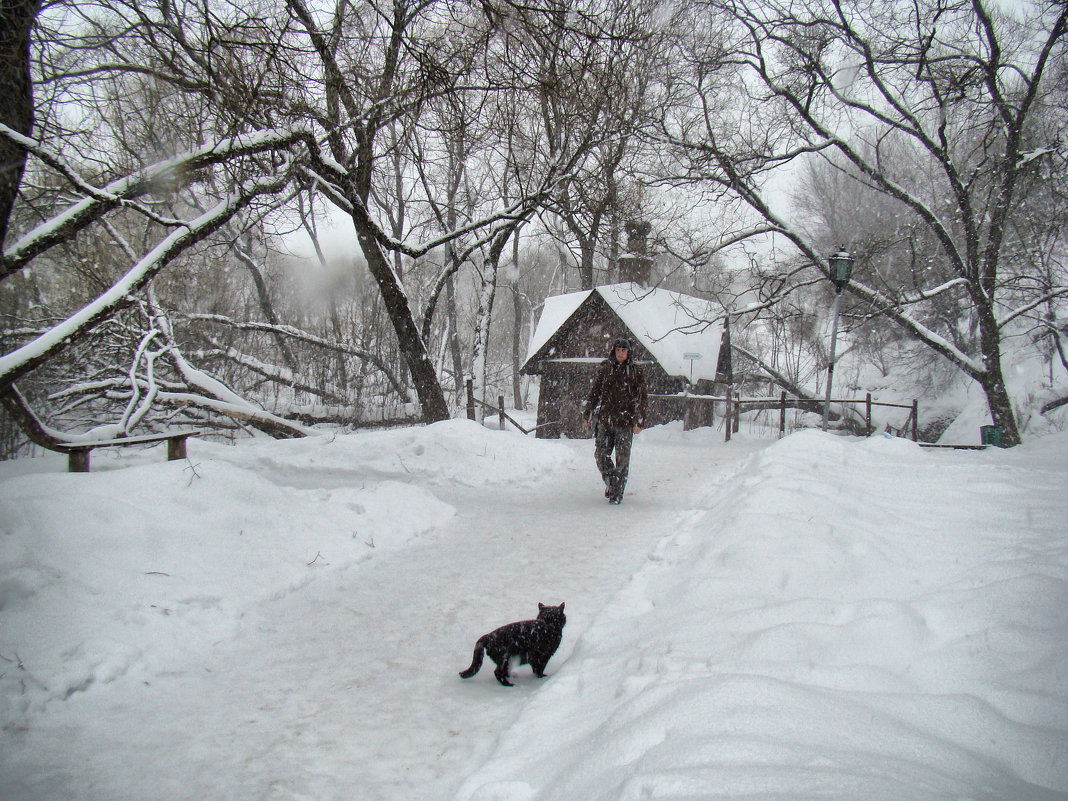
x=991 y=435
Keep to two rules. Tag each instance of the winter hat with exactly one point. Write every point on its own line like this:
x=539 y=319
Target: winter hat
x=621 y=342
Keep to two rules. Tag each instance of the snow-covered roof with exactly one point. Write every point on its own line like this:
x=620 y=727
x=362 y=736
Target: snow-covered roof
x=671 y=326
x=556 y=311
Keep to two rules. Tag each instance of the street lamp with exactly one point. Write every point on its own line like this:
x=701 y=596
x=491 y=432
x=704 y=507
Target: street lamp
x=840 y=269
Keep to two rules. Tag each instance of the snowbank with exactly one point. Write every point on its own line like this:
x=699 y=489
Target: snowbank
x=846 y=620
x=112 y=571
x=814 y=618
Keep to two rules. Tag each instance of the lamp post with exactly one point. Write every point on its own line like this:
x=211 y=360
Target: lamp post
x=841 y=269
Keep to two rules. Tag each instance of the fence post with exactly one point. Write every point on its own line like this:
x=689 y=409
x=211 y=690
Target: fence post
x=915 y=418
x=782 y=414
x=500 y=408
x=728 y=417
x=470 y=399
x=867 y=415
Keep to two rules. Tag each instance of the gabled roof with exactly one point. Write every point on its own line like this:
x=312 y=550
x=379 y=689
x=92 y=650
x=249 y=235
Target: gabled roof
x=671 y=326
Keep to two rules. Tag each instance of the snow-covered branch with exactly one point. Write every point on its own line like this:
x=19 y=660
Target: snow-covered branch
x=975 y=369
x=1059 y=292
x=35 y=430
x=19 y=362
x=303 y=336
x=271 y=424
x=138 y=406
x=933 y=292
x=215 y=396
x=775 y=375
x=280 y=375
x=120 y=192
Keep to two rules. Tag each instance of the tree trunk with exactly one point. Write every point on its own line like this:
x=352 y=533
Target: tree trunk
x=613 y=245
x=243 y=251
x=16 y=98
x=993 y=379
x=427 y=387
x=1001 y=413
x=519 y=402
x=484 y=317
x=454 y=336
x=586 y=250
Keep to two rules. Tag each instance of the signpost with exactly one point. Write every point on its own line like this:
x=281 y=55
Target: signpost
x=691 y=358
x=686 y=411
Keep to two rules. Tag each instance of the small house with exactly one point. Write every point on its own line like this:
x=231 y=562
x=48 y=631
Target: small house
x=671 y=338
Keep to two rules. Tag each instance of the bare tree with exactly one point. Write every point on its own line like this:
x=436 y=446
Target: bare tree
x=177 y=234
x=954 y=85
x=261 y=100
x=595 y=71
x=16 y=97
x=110 y=203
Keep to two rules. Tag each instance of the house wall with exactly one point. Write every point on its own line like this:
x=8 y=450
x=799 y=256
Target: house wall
x=592 y=330
x=564 y=385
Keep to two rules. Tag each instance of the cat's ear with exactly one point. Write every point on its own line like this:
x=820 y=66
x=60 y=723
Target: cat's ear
x=541 y=606
x=561 y=607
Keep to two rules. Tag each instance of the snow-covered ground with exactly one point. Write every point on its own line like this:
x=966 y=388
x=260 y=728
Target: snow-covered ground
x=813 y=618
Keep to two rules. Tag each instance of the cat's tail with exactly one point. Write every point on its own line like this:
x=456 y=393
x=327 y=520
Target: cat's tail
x=476 y=661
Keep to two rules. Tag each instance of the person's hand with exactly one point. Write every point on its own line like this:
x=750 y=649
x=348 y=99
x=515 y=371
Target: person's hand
x=585 y=422
x=637 y=429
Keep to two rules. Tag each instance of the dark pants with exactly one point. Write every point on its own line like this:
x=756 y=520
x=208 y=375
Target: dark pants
x=606 y=440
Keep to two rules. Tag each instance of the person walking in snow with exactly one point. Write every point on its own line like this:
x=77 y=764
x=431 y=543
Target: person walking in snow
x=617 y=405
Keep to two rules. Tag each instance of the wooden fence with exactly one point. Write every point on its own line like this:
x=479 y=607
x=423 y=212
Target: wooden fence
x=499 y=409
x=735 y=405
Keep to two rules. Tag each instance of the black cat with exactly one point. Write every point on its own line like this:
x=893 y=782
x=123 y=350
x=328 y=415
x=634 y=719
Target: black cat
x=533 y=641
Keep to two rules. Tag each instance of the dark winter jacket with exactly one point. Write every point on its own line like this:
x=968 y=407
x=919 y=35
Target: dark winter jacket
x=618 y=396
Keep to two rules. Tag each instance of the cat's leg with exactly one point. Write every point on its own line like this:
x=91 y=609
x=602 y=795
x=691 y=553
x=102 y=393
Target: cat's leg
x=537 y=664
x=501 y=671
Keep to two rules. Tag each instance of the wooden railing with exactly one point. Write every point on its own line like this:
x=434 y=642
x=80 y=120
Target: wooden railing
x=735 y=404
x=499 y=409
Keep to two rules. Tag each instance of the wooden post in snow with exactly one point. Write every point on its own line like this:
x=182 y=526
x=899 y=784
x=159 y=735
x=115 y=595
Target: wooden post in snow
x=728 y=417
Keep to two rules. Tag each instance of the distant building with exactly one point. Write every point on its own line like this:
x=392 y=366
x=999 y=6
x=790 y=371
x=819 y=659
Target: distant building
x=671 y=337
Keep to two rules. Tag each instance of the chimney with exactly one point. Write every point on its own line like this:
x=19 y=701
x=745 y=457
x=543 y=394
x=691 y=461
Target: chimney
x=635 y=264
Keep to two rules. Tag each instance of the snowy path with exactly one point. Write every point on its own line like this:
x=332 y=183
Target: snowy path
x=347 y=686
x=814 y=618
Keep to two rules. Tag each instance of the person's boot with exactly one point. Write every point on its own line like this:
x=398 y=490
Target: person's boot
x=615 y=488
